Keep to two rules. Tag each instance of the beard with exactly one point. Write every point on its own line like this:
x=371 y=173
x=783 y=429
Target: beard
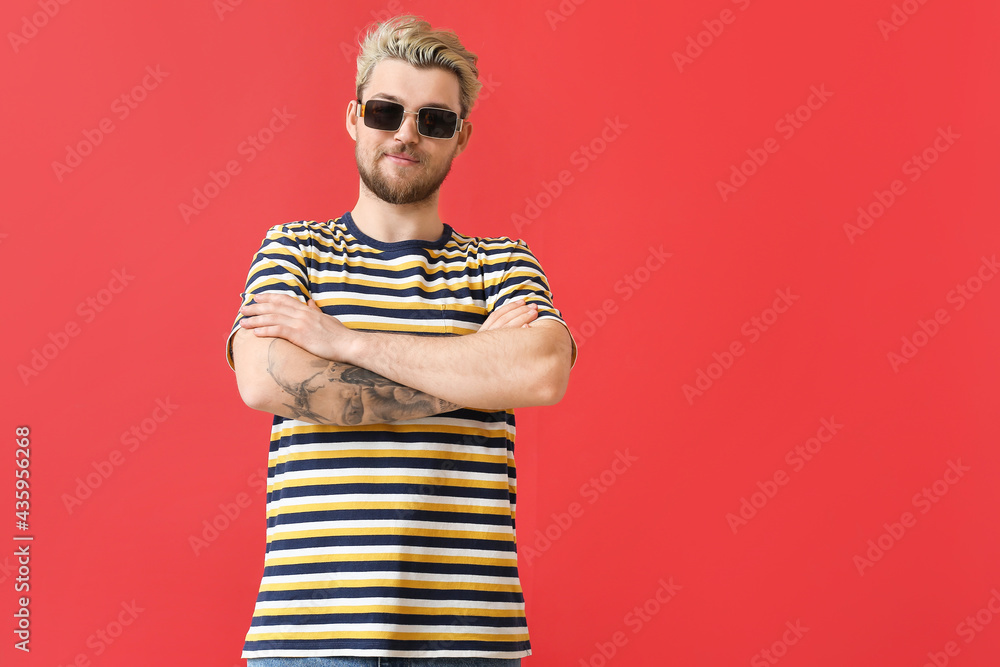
x=419 y=187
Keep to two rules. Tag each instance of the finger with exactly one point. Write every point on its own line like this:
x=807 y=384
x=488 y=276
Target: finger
x=497 y=315
x=520 y=320
x=278 y=299
x=270 y=332
x=273 y=296
x=516 y=318
x=507 y=318
x=268 y=320
x=255 y=322
x=285 y=305
x=498 y=312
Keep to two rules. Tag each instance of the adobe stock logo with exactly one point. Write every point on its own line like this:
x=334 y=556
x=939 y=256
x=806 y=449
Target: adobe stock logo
x=797 y=459
x=581 y=158
x=696 y=44
x=924 y=501
x=779 y=649
x=899 y=17
x=227 y=515
x=59 y=340
x=37 y=21
x=627 y=287
x=967 y=629
x=249 y=148
x=636 y=619
x=591 y=490
x=753 y=328
x=103 y=468
x=106 y=635
x=915 y=167
x=223 y=7
x=122 y=107
x=927 y=329
x=786 y=126
x=562 y=12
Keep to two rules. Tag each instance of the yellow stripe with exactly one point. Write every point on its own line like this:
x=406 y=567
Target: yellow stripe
x=393 y=583
x=394 y=506
x=393 y=557
x=502 y=537
x=396 y=453
x=333 y=299
x=392 y=609
x=458 y=263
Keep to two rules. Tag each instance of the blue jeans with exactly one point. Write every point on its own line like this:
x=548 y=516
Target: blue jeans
x=383 y=662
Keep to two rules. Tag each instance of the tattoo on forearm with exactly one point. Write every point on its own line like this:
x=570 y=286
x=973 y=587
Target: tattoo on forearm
x=357 y=394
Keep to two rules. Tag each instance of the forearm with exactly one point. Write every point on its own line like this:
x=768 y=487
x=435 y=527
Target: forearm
x=491 y=370
x=278 y=377
x=512 y=361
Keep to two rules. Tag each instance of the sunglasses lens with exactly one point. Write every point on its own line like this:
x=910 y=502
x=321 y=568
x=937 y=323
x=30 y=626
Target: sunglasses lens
x=437 y=123
x=388 y=116
x=383 y=115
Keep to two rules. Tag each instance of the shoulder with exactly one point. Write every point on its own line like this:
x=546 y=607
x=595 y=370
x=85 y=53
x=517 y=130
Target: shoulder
x=302 y=229
x=486 y=247
x=325 y=235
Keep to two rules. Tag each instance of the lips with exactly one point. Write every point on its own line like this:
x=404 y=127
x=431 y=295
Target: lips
x=402 y=157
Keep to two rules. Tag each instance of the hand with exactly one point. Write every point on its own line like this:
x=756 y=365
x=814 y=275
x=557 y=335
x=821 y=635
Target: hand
x=277 y=315
x=511 y=316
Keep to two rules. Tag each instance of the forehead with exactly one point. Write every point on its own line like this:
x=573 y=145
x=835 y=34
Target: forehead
x=414 y=87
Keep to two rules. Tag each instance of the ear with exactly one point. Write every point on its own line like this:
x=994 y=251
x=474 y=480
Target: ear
x=352 y=119
x=463 y=137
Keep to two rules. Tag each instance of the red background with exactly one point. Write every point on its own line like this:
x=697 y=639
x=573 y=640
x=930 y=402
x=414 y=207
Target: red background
x=553 y=85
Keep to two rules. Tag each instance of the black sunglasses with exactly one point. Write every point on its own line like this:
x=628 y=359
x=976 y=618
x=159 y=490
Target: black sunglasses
x=431 y=122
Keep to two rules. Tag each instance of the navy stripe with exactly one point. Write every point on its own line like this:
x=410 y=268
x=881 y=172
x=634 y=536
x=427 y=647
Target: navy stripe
x=385 y=644
x=290 y=517
x=402 y=593
x=427 y=541
x=389 y=566
x=381 y=617
x=440 y=490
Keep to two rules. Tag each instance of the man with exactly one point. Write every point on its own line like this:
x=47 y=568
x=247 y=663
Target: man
x=391 y=350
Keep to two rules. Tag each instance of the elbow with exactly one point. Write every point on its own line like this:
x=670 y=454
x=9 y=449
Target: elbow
x=254 y=394
x=551 y=384
x=554 y=389
x=251 y=398
x=553 y=367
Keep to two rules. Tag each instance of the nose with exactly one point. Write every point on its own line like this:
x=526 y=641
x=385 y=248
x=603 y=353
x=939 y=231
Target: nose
x=407 y=132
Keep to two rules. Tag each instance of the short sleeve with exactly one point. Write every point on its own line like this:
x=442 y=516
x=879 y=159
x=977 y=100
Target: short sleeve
x=279 y=266
x=522 y=277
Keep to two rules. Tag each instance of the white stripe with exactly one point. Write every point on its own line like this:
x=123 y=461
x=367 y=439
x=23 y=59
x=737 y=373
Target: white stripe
x=384 y=524
x=390 y=575
x=451 y=632
x=387 y=501
x=399 y=552
x=471 y=605
x=377 y=473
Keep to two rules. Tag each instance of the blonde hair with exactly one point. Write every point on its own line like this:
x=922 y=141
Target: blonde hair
x=412 y=40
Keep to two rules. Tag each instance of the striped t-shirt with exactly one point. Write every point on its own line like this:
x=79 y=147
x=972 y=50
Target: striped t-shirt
x=393 y=540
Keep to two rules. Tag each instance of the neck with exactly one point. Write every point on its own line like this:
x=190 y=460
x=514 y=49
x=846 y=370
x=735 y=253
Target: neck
x=397 y=222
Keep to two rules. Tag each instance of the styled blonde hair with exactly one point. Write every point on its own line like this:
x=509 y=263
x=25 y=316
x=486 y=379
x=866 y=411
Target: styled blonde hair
x=412 y=40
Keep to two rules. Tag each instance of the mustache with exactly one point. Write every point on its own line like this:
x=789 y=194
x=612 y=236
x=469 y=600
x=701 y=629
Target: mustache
x=404 y=153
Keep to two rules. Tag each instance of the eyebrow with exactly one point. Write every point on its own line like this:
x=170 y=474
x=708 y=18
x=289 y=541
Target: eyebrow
x=393 y=98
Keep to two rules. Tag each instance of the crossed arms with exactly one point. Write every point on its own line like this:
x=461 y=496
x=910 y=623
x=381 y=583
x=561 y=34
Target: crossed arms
x=293 y=360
